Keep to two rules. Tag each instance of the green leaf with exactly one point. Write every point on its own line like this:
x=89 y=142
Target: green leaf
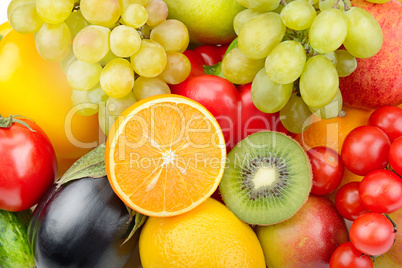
x=210 y=69
x=90 y=165
x=139 y=220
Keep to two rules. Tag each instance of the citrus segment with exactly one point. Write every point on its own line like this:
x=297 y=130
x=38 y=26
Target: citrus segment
x=165 y=155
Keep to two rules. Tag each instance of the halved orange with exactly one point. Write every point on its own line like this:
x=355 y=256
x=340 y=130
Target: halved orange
x=165 y=155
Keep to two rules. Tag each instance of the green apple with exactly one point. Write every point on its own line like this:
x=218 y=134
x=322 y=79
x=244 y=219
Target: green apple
x=208 y=21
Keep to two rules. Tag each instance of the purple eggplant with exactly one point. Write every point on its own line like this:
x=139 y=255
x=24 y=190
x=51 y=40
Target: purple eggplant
x=82 y=224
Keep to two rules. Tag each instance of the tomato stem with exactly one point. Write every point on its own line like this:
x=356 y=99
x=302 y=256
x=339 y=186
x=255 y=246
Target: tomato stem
x=7 y=122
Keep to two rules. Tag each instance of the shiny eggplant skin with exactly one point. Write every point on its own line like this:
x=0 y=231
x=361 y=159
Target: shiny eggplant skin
x=81 y=224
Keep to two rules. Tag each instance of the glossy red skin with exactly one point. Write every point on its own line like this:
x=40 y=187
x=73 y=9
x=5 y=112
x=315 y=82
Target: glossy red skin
x=308 y=239
x=327 y=168
x=196 y=61
x=381 y=191
x=347 y=256
x=372 y=233
x=219 y=96
x=365 y=149
x=348 y=203
x=389 y=120
x=211 y=54
x=395 y=156
x=28 y=166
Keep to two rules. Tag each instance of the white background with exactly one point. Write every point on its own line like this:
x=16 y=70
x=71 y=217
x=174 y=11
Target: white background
x=3 y=10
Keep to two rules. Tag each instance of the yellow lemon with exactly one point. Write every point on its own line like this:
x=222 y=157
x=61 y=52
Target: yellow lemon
x=210 y=235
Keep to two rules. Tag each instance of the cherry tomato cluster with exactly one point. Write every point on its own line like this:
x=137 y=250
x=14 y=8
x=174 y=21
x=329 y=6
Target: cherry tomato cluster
x=375 y=152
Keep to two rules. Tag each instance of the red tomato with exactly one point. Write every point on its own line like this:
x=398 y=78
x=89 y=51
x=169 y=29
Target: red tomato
x=327 y=169
x=389 y=119
x=219 y=96
x=197 y=63
x=395 y=155
x=28 y=165
x=348 y=203
x=347 y=256
x=372 y=233
x=211 y=54
x=381 y=191
x=365 y=149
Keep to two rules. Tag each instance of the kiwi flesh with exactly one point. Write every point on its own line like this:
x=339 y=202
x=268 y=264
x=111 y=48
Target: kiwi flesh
x=267 y=178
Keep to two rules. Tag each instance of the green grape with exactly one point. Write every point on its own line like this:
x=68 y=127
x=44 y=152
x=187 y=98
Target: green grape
x=331 y=56
x=328 y=4
x=177 y=68
x=23 y=17
x=268 y=96
x=261 y=34
x=298 y=15
x=171 y=34
x=117 y=78
x=295 y=116
x=346 y=63
x=319 y=81
x=110 y=110
x=76 y=22
x=328 y=30
x=82 y=75
x=101 y=12
x=82 y=104
x=97 y=95
x=240 y=69
x=260 y=5
x=150 y=60
x=332 y=109
x=145 y=87
x=124 y=3
x=92 y=43
x=14 y=3
x=52 y=11
x=66 y=62
x=243 y=17
x=364 y=38
x=135 y=15
x=157 y=12
x=108 y=57
x=285 y=62
x=53 y=41
x=124 y=41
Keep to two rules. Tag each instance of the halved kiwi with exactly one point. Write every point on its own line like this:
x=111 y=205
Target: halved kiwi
x=267 y=178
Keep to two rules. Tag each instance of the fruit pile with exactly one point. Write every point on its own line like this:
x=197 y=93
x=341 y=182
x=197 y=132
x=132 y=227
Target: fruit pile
x=211 y=134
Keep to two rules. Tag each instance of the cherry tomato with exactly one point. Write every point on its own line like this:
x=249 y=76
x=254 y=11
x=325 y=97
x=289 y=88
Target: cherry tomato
x=28 y=164
x=381 y=191
x=389 y=119
x=348 y=203
x=372 y=233
x=327 y=169
x=395 y=155
x=365 y=149
x=211 y=54
x=347 y=256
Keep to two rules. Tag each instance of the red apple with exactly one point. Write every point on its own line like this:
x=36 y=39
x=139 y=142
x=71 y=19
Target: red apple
x=307 y=239
x=377 y=81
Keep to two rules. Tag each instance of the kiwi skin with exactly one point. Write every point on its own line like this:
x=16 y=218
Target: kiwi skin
x=239 y=199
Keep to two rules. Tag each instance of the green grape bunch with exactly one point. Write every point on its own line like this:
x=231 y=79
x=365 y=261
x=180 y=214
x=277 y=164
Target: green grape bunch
x=305 y=46
x=113 y=52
